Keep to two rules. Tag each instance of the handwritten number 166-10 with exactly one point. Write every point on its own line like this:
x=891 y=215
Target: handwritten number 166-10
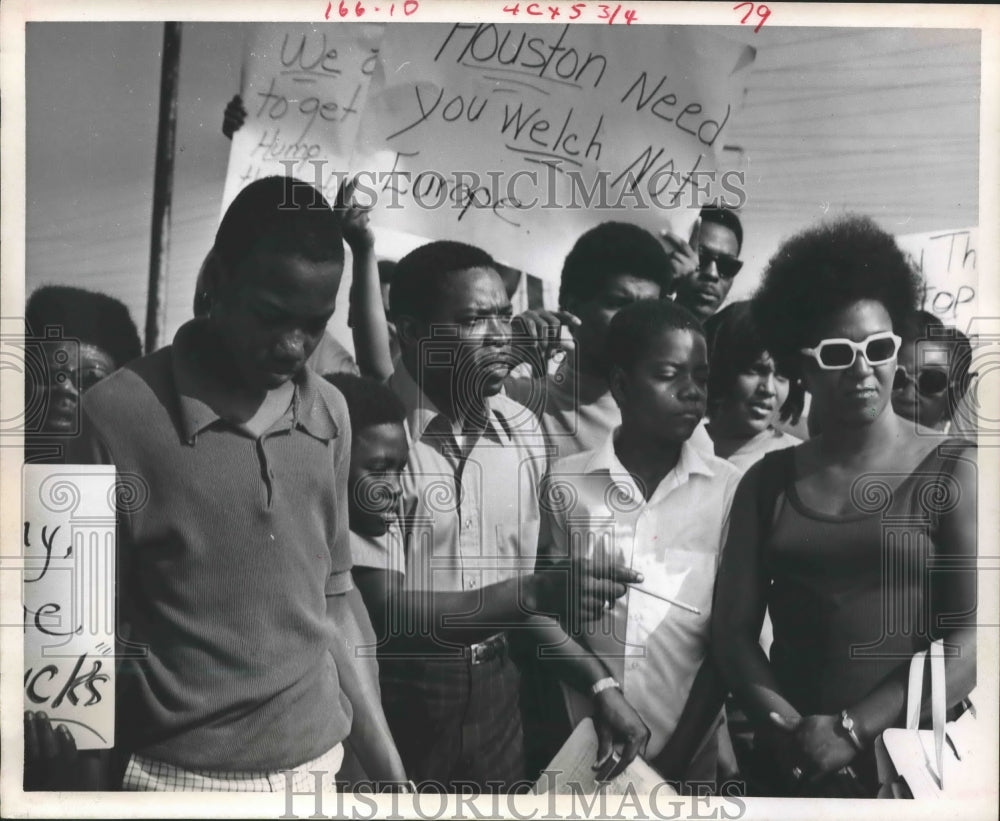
x=344 y=9
x=763 y=12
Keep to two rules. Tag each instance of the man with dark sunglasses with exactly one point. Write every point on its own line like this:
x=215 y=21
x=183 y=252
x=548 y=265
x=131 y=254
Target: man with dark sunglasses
x=704 y=267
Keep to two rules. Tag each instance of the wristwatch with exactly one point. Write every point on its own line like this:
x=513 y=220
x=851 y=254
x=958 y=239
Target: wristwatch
x=847 y=723
x=604 y=684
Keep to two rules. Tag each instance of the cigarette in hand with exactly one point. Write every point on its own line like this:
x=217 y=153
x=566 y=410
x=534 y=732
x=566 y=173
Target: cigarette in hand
x=674 y=602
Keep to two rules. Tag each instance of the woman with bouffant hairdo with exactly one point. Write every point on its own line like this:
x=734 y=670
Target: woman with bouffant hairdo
x=806 y=535
x=747 y=395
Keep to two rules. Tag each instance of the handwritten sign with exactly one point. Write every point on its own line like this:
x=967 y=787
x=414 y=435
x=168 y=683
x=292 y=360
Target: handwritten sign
x=68 y=542
x=519 y=138
x=947 y=263
x=305 y=89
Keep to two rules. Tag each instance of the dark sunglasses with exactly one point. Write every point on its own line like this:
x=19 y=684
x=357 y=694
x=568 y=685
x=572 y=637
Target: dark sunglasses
x=726 y=264
x=929 y=382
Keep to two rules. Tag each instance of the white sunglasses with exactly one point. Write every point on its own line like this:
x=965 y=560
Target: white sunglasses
x=838 y=354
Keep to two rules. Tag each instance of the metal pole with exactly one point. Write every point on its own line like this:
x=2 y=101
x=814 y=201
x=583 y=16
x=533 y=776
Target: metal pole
x=163 y=185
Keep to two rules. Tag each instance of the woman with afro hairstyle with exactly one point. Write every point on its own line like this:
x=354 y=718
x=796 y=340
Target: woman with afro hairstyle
x=810 y=527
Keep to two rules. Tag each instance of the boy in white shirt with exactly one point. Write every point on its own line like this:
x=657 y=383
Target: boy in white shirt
x=649 y=498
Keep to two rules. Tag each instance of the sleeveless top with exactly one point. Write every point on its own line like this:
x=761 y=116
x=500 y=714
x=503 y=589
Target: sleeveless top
x=853 y=596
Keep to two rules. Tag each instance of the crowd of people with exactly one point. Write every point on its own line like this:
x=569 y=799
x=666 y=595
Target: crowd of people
x=423 y=566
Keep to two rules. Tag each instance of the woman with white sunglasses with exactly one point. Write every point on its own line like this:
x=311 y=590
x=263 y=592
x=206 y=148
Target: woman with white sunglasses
x=837 y=537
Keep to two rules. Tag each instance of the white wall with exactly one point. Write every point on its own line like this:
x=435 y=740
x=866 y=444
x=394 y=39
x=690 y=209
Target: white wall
x=92 y=104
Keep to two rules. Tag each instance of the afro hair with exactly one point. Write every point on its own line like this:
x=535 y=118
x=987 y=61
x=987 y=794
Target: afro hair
x=820 y=272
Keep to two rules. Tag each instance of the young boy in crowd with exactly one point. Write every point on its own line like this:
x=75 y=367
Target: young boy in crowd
x=609 y=267
x=243 y=606
x=378 y=456
x=651 y=500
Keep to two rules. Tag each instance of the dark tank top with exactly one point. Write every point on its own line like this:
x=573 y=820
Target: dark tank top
x=853 y=596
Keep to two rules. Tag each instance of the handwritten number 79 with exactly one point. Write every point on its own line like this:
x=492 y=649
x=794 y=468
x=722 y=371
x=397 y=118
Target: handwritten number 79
x=763 y=12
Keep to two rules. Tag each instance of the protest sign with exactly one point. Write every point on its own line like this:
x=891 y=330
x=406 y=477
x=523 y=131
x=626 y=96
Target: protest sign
x=304 y=90
x=946 y=261
x=519 y=138
x=68 y=540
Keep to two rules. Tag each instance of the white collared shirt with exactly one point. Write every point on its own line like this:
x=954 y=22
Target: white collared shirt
x=468 y=521
x=675 y=540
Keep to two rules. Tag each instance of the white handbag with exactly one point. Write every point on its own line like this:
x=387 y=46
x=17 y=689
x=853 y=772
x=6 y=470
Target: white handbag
x=936 y=763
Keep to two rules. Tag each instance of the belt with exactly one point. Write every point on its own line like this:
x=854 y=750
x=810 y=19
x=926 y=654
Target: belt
x=488 y=649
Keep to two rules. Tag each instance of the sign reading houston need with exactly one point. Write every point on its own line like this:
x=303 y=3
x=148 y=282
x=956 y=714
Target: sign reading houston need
x=516 y=138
